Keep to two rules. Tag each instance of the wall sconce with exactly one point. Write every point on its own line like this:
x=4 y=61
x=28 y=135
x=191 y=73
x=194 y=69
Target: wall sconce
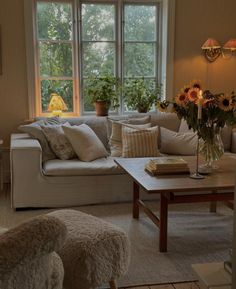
x=212 y=49
x=229 y=48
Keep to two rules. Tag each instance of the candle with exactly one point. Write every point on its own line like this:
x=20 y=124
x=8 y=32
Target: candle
x=200 y=103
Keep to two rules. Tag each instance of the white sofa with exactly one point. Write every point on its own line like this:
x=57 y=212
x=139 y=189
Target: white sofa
x=62 y=183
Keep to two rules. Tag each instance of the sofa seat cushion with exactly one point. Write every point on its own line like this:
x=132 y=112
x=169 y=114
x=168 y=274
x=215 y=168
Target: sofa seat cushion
x=102 y=166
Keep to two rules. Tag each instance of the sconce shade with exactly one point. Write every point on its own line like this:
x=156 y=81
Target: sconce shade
x=211 y=49
x=211 y=44
x=56 y=104
x=231 y=45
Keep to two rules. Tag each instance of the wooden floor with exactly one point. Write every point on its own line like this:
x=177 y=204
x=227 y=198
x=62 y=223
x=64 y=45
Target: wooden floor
x=187 y=285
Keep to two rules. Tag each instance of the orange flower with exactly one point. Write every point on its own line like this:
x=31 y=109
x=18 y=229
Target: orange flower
x=181 y=99
x=185 y=89
x=193 y=94
x=196 y=84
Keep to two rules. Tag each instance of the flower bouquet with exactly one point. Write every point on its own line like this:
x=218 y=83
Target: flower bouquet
x=206 y=114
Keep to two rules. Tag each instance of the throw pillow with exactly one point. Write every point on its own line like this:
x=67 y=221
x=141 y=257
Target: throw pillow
x=85 y=142
x=139 y=142
x=116 y=132
x=226 y=134
x=35 y=131
x=58 y=141
x=184 y=127
x=131 y=119
x=176 y=143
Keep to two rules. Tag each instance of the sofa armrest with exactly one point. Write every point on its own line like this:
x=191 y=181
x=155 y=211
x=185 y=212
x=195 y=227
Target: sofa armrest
x=233 y=141
x=26 y=164
x=24 y=142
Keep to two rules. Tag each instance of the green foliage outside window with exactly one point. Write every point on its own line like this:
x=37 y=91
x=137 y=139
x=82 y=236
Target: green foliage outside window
x=54 y=23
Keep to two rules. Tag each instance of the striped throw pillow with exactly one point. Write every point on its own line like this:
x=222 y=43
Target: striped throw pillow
x=139 y=142
x=116 y=136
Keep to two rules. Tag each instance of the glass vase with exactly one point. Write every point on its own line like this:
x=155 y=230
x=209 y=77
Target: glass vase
x=212 y=150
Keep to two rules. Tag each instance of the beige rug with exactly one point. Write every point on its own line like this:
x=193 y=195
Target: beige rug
x=195 y=236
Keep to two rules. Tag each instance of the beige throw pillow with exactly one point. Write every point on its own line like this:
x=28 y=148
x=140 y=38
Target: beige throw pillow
x=85 y=142
x=35 y=131
x=176 y=143
x=58 y=141
x=139 y=142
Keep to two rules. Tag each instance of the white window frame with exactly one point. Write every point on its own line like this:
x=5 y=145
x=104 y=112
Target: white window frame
x=166 y=55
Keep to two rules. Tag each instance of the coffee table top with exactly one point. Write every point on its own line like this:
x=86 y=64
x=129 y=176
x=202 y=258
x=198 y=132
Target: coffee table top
x=222 y=179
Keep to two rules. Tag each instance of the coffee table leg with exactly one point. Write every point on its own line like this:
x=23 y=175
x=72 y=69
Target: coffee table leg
x=163 y=224
x=135 y=200
x=213 y=204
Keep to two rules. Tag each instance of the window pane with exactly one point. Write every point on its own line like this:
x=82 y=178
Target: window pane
x=140 y=23
x=54 y=20
x=98 y=58
x=55 y=59
x=62 y=87
x=139 y=59
x=98 y=22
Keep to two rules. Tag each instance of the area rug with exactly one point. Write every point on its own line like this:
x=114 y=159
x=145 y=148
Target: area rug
x=194 y=236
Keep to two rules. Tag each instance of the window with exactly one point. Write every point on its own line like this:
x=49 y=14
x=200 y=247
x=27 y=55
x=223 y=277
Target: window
x=68 y=40
x=55 y=52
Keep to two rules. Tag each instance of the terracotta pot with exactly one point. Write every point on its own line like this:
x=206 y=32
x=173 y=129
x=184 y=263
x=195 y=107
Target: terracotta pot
x=102 y=108
x=142 y=109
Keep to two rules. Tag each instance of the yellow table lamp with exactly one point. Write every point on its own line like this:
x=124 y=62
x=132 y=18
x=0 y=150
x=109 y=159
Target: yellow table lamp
x=57 y=105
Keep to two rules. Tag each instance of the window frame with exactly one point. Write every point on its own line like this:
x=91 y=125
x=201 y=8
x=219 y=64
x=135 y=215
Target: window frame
x=164 y=57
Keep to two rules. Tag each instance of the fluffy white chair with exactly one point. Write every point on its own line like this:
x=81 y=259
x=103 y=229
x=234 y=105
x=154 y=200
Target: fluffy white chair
x=95 y=251
x=27 y=255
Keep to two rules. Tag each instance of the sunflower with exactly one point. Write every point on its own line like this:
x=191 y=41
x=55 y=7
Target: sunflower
x=193 y=94
x=162 y=106
x=226 y=102
x=181 y=99
x=196 y=84
x=185 y=89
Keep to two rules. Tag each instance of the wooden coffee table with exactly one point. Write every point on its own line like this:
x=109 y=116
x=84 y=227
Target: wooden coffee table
x=169 y=187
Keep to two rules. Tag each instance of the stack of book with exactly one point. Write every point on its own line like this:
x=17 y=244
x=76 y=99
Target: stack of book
x=167 y=165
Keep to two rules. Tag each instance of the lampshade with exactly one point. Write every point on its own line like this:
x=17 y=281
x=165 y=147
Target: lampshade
x=211 y=44
x=56 y=104
x=231 y=44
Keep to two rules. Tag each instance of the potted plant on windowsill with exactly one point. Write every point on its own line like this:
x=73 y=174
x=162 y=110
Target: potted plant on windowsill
x=103 y=92
x=140 y=95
